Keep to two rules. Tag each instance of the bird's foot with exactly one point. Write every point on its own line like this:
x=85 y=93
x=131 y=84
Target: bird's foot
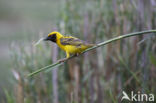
x=77 y=54
x=62 y=60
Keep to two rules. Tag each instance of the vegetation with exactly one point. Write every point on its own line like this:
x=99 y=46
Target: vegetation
x=99 y=76
x=94 y=47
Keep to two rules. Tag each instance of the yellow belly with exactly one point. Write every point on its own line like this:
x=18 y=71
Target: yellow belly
x=73 y=49
x=70 y=49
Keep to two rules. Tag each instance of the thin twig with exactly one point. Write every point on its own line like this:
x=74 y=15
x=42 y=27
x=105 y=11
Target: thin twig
x=94 y=47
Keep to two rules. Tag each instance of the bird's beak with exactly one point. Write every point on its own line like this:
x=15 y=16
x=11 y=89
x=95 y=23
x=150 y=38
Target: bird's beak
x=45 y=39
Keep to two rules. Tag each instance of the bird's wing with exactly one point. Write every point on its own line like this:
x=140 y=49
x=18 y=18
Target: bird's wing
x=69 y=40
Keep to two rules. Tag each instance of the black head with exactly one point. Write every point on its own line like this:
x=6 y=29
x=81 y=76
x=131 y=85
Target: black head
x=51 y=37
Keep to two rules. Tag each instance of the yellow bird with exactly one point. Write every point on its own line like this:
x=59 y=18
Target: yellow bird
x=71 y=45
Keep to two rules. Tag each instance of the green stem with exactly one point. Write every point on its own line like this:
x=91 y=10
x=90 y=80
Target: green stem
x=94 y=47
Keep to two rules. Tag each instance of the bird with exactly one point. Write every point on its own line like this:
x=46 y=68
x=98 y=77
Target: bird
x=71 y=45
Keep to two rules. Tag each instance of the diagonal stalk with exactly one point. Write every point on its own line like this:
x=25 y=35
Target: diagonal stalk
x=94 y=47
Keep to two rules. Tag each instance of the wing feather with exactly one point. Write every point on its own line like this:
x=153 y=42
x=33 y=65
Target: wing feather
x=71 y=41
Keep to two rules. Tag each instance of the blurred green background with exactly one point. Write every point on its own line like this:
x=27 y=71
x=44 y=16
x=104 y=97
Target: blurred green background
x=23 y=22
x=98 y=76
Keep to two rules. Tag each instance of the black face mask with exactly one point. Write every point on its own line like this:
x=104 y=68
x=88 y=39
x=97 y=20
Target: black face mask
x=51 y=38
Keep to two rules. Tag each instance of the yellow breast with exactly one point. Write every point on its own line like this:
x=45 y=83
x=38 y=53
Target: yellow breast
x=71 y=49
x=60 y=45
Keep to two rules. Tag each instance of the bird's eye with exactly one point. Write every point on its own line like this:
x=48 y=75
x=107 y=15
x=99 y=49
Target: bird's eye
x=54 y=34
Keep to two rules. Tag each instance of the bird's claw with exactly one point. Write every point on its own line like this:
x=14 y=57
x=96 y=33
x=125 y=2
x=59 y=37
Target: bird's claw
x=77 y=54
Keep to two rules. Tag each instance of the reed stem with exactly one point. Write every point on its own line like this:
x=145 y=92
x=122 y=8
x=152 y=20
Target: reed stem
x=94 y=47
